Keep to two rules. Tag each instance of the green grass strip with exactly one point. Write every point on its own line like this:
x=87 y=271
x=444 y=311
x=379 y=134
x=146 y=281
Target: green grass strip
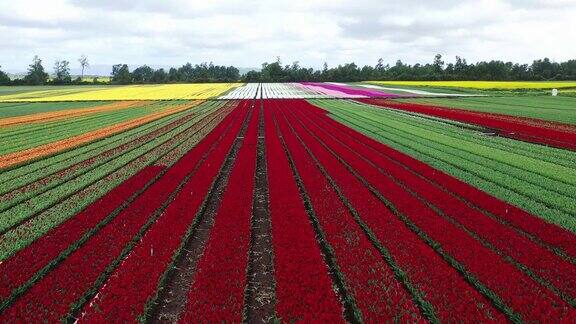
x=520 y=193
x=19 y=237
x=557 y=109
x=199 y=113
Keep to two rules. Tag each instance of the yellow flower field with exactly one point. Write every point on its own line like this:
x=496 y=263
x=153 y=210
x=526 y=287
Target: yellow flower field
x=131 y=92
x=510 y=85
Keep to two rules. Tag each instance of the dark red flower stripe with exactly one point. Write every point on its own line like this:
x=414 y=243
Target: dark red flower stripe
x=303 y=286
x=452 y=297
x=50 y=299
x=369 y=279
x=513 y=286
x=133 y=283
x=101 y=157
x=218 y=290
x=532 y=130
x=549 y=234
x=550 y=267
x=18 y=269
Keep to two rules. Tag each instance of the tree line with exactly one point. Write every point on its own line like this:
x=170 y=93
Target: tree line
x=187 y=73
x=121 y=74
x=437 y=70
x=37 y=75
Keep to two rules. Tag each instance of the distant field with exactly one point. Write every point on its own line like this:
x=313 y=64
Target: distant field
x=131 y=92
x=510 y=85
x=560 y=109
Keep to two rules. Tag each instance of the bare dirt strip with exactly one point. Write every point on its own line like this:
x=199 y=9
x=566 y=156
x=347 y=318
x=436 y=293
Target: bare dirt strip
x=260 y=293
x=172 y=300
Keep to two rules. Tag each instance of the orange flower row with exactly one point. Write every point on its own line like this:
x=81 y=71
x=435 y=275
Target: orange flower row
x=63 y=114
x=55 y=147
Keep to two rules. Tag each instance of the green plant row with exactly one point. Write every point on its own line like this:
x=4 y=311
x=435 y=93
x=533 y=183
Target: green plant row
x=549 y=154
x=20 y=236
x=471 y=133
x=201 y=112
x=29 y=128
x=558 y=109
x=480 y=178
x=73 y=127
x=535 y=192
x=24 y=210
x=525 y=195
x=22 y=109
x=550 y=170
x=547 y=183
x=28 y=173
x=84 y=150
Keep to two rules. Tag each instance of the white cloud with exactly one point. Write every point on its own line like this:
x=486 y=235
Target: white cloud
x=247 y=33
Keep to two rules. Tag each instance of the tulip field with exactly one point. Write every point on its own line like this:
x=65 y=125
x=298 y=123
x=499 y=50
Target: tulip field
x=286 y=202
x=485 y=84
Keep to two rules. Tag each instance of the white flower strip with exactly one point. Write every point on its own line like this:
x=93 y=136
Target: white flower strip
x=247 y=91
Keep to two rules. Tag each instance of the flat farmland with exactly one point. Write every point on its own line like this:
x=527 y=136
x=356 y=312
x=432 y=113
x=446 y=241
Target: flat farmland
x=289 y=202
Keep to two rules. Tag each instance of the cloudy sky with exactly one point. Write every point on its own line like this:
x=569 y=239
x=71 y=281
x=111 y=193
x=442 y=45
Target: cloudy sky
x=246 y=33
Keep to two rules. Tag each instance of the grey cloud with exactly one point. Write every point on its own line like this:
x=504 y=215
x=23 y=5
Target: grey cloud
x=246 y=33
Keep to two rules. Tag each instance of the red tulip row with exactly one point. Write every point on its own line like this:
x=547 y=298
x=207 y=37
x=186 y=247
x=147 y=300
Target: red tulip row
x=55 y=245
x=545 y=234
x=51 y=298
x=548 y=266
x=48 y=181
x=512 y=286
x=360 y=231
x=125 y=293
x=18 y=269
x=217 y=293
x=369 y=280
x=526 y=129
x=303 y=286
x=450 y=297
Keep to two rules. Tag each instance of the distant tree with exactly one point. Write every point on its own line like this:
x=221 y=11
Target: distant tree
x=142 y=74
x=173 y=75
x=4 y=78
x=273 y=72
x=159 y=76
x=121 y=74
x=449 y=71
x=568 y=70
x=380 y=64
x=368 y=73
x=460 y=69
x=545 y=69
x=36 y=74
x=438 y=64
x=520 y=72
x=232 y=73
x=252 y=76
x=324 y=73
x=186 y=73
x=84 y=64
x=62 y=72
